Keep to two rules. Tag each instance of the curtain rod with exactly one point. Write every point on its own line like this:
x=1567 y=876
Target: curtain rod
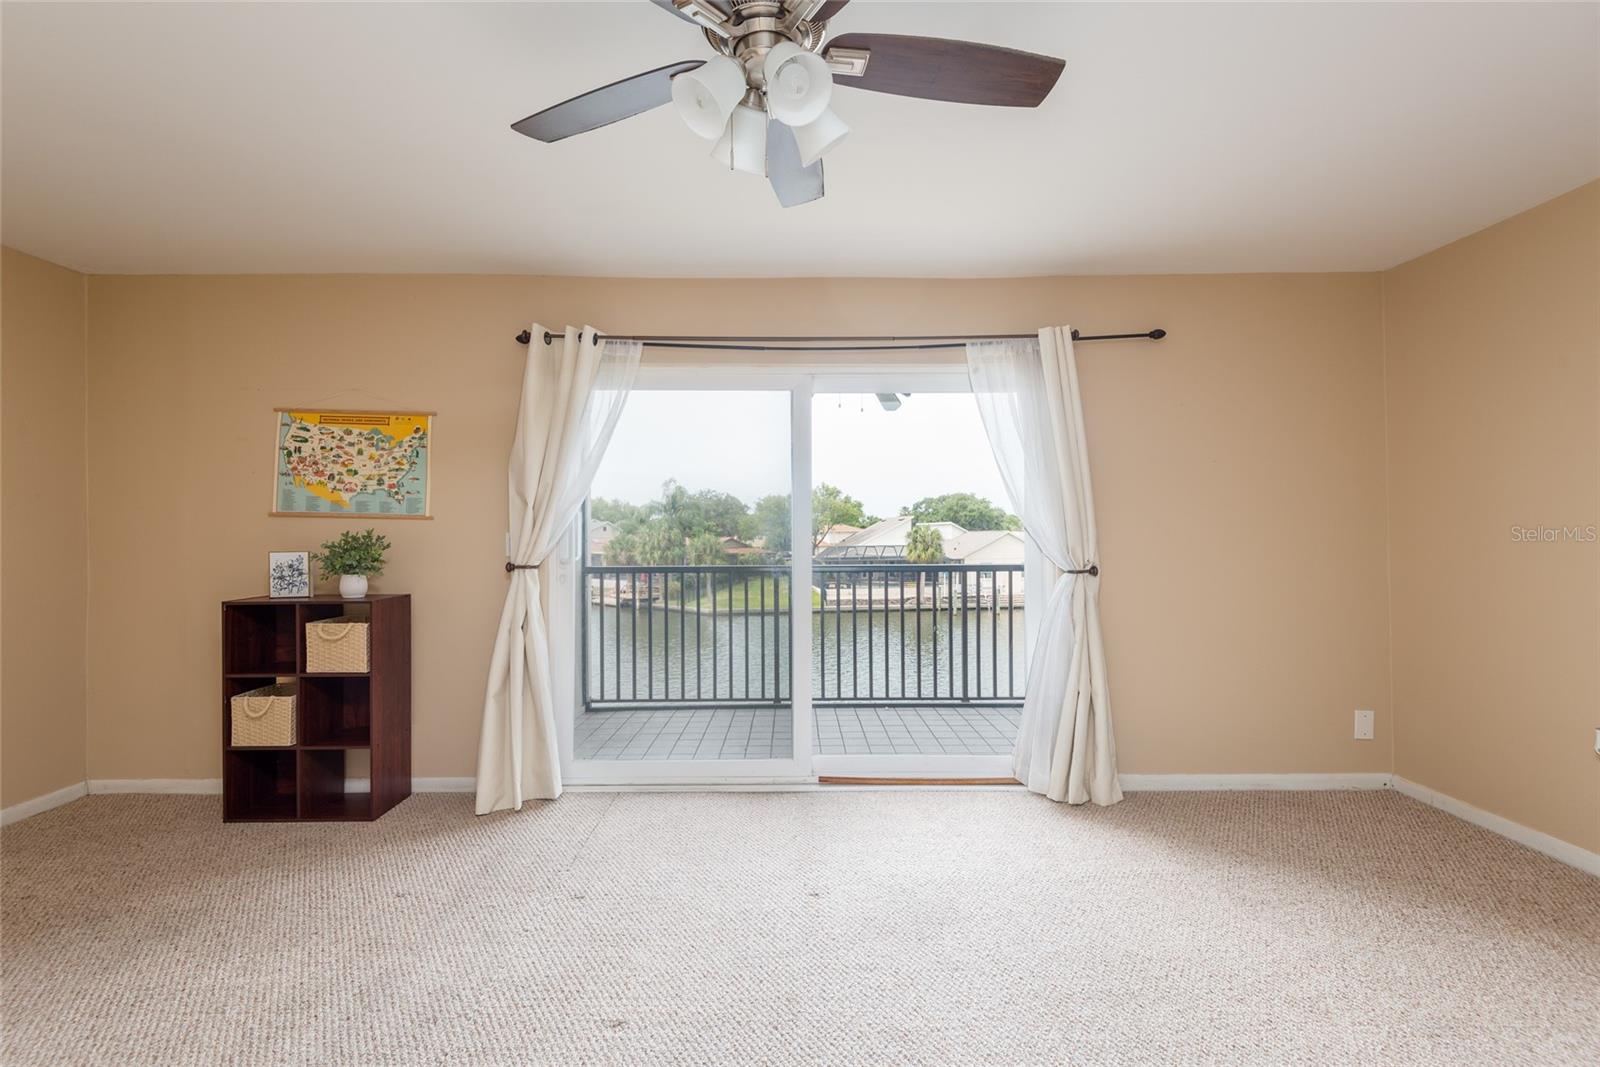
x=805 y=344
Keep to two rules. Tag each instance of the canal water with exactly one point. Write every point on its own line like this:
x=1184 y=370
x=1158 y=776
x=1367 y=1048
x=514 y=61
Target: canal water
x=639 y=653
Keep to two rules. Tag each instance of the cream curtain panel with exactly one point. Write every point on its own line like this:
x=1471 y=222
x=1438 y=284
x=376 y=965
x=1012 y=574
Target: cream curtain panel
x=1027 y=393
x=573 y=391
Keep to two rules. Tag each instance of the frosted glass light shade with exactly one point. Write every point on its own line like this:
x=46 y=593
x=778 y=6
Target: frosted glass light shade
x=744 y=143
x=817 y=138
x=706 y=96
x=799 y=84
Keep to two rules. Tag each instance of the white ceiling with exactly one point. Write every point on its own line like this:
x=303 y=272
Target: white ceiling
x=374 y=137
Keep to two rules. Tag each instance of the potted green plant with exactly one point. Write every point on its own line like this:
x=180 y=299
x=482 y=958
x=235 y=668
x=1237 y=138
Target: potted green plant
x=354 y=556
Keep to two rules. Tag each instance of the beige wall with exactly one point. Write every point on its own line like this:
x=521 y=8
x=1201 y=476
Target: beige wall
x=1265 y=519
x=1239 y=466
x=42 y=527
x=1494 y=380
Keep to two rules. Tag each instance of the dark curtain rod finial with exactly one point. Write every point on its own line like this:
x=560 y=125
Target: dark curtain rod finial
x=809 y=343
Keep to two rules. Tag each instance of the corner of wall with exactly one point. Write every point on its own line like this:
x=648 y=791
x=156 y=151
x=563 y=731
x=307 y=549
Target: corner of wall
x=88 y=528
x=1388 y=517
x=1491 y=349
x=45 y=713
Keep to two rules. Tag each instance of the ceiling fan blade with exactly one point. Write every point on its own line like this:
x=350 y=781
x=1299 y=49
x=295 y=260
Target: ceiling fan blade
x=793 y=183
x=667 y=5
x=828 y=10
x=962 y=72
x=605 y=105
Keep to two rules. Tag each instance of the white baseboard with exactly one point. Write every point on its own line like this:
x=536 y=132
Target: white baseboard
x=418 y=785
x=1554 y=847
x=210 y=786
x=1149 y=783
x=444 y=785
x=155 y=785
x=24 y=809
x=841 y=765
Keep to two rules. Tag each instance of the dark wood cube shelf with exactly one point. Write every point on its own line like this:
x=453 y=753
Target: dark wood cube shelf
x=263 y=642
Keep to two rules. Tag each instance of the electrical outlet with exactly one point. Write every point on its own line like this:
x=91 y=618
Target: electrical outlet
x=1363 y=726
x=1597 y=740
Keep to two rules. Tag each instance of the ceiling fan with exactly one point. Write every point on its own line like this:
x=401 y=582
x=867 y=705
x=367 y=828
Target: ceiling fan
x=763 y=99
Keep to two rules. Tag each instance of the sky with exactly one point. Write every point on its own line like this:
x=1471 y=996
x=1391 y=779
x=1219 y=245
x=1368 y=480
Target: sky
x=738 y=442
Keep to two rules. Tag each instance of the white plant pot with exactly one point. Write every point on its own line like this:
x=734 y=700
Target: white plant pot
x=352 y=586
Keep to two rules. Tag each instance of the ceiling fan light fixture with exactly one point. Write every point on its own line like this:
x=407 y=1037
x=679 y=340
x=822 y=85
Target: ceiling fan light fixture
x=706 y=96
x=799 y=84
x=817 y=138
x=764 y=99
x=744 y=143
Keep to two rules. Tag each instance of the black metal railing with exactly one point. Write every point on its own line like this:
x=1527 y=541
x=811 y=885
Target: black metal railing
x=913 y=633
x=672 y=635
x=882 y=633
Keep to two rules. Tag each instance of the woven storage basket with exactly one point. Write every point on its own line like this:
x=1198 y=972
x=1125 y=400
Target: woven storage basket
x=337 y=646
x=264 y=716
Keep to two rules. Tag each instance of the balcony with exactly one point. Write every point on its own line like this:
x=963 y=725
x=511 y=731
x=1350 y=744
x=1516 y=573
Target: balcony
x=693 y=662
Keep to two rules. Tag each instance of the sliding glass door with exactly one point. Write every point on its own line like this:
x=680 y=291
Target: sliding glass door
x=687 y=618
x=919 y=662
x=903 y=653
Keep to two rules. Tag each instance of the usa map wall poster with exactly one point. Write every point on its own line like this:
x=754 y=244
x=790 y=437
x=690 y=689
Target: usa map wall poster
x=372 y=464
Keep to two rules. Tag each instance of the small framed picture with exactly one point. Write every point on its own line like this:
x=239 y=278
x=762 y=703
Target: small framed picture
x=289 y=573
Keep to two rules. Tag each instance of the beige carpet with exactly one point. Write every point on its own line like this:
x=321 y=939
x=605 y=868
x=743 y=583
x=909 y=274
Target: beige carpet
x=821 y=928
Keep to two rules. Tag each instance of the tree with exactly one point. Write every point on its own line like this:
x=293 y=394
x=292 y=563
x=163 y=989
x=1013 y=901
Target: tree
x=720 y=513
x=617 y=511
x=643 y=544
x=678 y=527
x=658 y=532
x=676 y=507
x=830 y=507
x=924 y=545
x=660 y=543
x=705 y=550
x=623 y=549
x=967 y=510
x=771 y=521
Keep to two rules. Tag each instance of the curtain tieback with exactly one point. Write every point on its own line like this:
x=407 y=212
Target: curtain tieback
x=1092 y=569
x=510 y=567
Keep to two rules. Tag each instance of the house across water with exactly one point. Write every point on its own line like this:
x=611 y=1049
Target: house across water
x=886 y=541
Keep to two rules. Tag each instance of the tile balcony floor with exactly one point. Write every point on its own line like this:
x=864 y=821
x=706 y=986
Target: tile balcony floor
x=765 y=733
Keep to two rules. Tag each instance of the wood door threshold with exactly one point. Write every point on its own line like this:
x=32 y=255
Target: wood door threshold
x=840 y=779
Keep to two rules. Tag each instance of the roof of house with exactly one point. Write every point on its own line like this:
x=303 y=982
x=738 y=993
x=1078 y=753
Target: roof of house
x=974 y=541
x=947 y=530
x=879 y=533
x=893 y=533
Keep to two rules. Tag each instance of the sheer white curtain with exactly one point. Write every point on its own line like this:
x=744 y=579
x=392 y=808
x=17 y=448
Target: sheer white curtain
x=573 y=391
x=1027 y=393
